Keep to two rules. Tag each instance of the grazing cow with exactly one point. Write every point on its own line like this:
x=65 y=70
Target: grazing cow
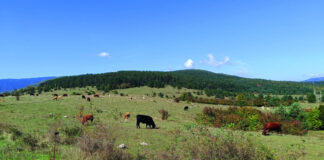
x=55 y=95
x=96 y=95
x=59 y=97
x=83 y=97
x=272 y=126
x=186 y=108
x=144 y=119
x=65 y=95
x=88 y=99
x=126 y=115
x=37 y=94
x=32 y=94
x=87 y=118
x=55 y=98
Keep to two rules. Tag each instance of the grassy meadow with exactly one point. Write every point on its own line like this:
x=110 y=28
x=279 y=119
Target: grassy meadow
x=31 y=114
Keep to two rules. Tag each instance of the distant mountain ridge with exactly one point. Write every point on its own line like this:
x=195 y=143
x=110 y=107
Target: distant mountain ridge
x=11 y=84
x=317 y=79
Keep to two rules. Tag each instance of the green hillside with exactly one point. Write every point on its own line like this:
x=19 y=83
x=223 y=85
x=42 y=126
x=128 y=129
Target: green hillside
x=212 y=83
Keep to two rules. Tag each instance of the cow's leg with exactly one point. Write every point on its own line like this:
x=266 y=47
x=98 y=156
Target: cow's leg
x=138 y=124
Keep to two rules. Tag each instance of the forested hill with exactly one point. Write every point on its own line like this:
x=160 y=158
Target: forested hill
x=212 y=83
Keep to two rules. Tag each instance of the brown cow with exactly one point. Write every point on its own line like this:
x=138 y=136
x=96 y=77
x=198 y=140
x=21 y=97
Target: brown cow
x=37 y=94
x=96 y=95
x=86 y=118
x=88 y=99
x=65 y=95
x=3 y=95
x=55 y=98
x=272 y=126
x=1 y=100
x=126 y=115
x=55 y=95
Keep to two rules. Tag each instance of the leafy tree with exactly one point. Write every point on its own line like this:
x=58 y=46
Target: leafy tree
x=313 y=119
x=241 y=100
x=311 y=98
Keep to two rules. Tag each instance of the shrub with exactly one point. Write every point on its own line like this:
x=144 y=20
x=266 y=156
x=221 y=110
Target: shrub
x=227 y=145
x=321 y=115
x=161 y=95
x=165 y=114
x=30 y=141
x=100 y=144
x=311 y=98
x=293 y=127
x=313 y=119
x=295 y=112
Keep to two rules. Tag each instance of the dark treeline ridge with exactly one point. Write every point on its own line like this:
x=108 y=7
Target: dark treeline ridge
x=211 y=83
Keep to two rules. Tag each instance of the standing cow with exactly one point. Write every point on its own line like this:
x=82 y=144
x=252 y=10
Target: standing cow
x=144 y=119
x=87 y=118
x=272 y=126
x=88 y=99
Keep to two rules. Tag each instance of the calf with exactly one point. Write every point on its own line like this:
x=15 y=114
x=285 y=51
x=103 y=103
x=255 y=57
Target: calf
x=272 y=126
x=126 y=115
x=186 y=108
x=87 y=118
x=144 y=119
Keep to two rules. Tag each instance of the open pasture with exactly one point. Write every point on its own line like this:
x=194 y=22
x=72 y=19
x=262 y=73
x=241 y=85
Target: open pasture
x=32 y=114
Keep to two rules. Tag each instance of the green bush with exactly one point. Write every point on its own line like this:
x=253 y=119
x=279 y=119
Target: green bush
x=321 y=115
x=311 y=98
x=313 y=119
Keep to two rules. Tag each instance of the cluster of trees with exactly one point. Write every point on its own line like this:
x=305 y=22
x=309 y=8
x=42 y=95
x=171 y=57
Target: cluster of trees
x=247 y=99
x=219 y=85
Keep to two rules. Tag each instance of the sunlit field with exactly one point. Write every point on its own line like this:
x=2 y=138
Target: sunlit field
x=40 y=115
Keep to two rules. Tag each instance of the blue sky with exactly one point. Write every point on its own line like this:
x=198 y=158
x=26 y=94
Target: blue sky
x=269 y=39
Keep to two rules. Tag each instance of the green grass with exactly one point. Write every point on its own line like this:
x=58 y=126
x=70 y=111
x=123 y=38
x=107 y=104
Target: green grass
x=31 y=115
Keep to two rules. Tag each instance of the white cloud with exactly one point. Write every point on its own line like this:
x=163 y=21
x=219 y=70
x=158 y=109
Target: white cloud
x=189 y=63
x=212 y=61
x=103 y=54
x=315 y=75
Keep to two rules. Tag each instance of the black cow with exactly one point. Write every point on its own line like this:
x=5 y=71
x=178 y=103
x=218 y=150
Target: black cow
x=144 y=119
x=55 y=95
x=186 y=108
x=83 y=97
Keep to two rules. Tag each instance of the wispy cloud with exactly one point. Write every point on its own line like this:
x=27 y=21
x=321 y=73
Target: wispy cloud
x=213 y=62
x=315 y=75
x=103 y=54
x=189 y=63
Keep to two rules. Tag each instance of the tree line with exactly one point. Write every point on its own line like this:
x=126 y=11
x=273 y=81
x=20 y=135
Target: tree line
x=213 y=84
